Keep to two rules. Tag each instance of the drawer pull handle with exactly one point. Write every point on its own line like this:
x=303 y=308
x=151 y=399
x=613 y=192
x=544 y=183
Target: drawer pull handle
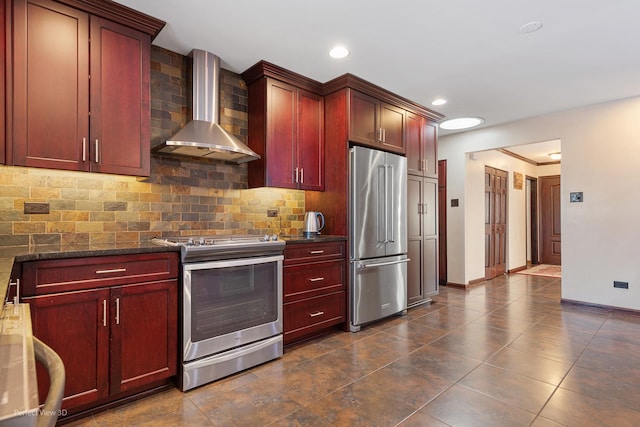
x=316 y=252
x=316 y=314
x=117 y=311
x=113 y=270
x=104 y=312
x=316 y=279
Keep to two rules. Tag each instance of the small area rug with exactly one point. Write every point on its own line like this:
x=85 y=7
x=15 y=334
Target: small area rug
x=543 y=270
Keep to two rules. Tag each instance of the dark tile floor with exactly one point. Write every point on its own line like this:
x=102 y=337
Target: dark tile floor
x=504 y=353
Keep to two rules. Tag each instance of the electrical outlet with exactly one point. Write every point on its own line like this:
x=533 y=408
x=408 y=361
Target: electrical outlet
x=272 y=213
x=621 y=285
x=36 y=208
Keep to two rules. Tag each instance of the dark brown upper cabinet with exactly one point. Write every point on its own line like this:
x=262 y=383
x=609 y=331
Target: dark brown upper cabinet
x=376 y=123
x=286 y=128
x=420 y=141
x=81 y=86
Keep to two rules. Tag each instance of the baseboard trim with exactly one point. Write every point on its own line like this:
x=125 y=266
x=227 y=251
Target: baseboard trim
x=456 y=285
x=476 y=281
x=467 y=286
x=610 y=308
x=515 y=270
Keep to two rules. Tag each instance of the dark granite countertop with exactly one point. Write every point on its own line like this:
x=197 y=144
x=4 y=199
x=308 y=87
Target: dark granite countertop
x=319 y=239
x=12 y=254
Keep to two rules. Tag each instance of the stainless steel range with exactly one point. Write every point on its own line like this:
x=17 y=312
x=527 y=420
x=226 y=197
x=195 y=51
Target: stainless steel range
x=232 y=305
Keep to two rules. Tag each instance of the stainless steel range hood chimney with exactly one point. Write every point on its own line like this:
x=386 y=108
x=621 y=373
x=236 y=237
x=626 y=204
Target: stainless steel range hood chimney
x=203 y=136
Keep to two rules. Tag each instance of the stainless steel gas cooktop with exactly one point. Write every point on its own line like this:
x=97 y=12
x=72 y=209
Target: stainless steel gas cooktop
x=210 y=248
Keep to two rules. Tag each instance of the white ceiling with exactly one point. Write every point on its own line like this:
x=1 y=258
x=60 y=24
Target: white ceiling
x=468 y=51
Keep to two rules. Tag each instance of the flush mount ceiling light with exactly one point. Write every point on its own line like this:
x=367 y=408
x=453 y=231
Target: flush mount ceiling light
x=555 y=156
x=339 y=52
x=439 y=101
x=461 y=123
x=531 y=27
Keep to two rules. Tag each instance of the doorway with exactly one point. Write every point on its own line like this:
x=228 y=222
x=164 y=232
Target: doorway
x=495 y=224
x=442 y=222
x=550 y=220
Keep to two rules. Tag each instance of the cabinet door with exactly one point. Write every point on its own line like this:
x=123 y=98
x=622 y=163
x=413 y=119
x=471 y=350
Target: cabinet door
x=415 y=237
x=392 y=124
x=430 y=155
x=281 y=134
x=76 y=326
x=310 y=140
x=430 y=206
x=120 y=112
x=413 y=144
x=143 y=334
x=430 y=263
x=363 y=119
x=51 y=85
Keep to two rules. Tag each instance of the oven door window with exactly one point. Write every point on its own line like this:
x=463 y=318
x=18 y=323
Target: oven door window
x=229 y=299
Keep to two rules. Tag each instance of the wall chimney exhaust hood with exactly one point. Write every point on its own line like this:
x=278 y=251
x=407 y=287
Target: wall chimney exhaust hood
x=203 y=136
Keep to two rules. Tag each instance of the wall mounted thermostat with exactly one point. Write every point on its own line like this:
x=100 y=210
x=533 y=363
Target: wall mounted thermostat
x=575 y=196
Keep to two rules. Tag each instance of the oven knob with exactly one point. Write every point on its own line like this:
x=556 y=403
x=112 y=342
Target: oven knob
x=190 y=241
x=202 y=241
x=274 y=237
x=266 y=237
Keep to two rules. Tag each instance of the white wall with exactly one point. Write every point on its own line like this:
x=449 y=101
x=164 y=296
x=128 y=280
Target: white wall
x=600 y=149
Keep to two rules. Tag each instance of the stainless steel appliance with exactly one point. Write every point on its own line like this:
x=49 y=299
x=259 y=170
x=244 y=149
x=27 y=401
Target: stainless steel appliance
x=377 y=235
x=231 y=303
x=313 y=223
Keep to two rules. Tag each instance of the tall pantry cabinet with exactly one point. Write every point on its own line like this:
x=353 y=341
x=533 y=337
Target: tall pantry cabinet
x=422 y=209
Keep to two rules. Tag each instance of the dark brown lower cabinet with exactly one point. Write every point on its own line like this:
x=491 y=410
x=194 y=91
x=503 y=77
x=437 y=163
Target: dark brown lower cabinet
x=314 y=288
x=114 y=340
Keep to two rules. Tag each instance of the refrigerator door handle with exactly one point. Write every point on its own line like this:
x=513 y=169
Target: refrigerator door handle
x=391 y=221
x=363 y=266
x=382 y=233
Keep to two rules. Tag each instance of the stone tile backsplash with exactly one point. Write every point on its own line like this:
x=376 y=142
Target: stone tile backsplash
x=181 y=197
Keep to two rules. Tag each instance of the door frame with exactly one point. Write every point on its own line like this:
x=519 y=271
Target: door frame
x=442 y=221
x=533 y=216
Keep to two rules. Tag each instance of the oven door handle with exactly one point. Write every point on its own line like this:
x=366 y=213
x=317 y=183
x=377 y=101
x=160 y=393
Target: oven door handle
x=231 y=354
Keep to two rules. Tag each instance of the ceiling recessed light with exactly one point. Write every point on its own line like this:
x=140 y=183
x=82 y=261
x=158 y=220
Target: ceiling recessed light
x=555 y=156
x=461 y=123
x=439 y=101
x=531 y=27
x=339 y=52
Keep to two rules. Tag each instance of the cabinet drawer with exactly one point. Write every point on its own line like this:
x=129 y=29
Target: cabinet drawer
x=63 y=275
x=307 y=316
x=311 y=252
x=309 y=280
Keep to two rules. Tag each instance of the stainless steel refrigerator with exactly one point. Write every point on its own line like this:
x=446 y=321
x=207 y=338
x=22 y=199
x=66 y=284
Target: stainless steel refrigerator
x=377 y=235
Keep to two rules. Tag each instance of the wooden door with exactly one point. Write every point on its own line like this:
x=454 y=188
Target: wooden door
x=442 y=222
x=120 y=109
x=363 y=119
x=415 y=237
x=310 y=140
x=76 y=326
x=392 y=125
x=533 y=220
x=2 y=83
x=550 y=219
x=144 y=319
x=429 y=140
x=495 y=181
x=51 y=85
x=281 y=134
x=430 y=242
